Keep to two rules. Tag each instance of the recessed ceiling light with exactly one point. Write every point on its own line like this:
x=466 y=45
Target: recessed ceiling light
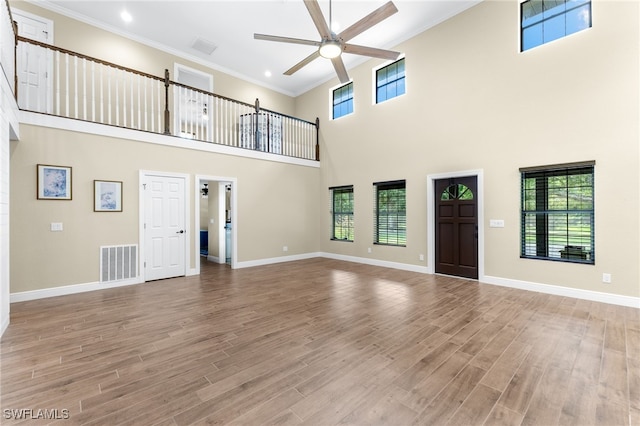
x=126 y=16
x=267 y=73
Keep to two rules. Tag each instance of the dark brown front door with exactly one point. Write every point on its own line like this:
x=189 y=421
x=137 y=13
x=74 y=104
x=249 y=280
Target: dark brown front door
x=457 y=226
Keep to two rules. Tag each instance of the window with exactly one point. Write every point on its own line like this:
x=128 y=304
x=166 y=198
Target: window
x=557 y=213
x=390 y=81
x=390 y=214
x=342 y=212
x=542 y=21
x=343 y=100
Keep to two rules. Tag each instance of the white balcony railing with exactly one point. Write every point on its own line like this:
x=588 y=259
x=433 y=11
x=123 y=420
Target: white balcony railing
x=56 y=81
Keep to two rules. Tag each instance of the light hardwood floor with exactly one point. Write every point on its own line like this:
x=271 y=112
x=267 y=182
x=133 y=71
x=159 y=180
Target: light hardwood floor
x=321 y=342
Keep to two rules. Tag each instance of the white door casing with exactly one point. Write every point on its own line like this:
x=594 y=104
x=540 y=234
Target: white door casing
x=165 y=228
x=35 y=63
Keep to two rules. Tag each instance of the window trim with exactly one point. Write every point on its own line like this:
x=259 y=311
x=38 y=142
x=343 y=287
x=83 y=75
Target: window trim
x=331 y=94
x=520 y=29
x=374 y=79
x=387 y=185
x=551 y=169
x=333 y=212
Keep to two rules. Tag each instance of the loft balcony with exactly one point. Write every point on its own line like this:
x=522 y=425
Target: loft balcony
x=51 y=80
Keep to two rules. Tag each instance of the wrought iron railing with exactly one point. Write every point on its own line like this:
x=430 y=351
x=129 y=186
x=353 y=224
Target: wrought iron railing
x=63 y=83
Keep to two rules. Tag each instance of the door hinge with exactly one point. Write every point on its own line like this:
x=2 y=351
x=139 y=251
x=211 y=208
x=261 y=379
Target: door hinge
x=145 y=264
x=144 y=226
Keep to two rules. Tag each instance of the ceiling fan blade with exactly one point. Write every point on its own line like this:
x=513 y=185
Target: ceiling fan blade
x=378 y=15
x=318 y=18
x=371 y=51
x=302 y=63
x=285 y=39
x=338 y=64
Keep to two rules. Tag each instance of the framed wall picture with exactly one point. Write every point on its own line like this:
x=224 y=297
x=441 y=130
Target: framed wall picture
x=54 y=182
x=107 y=196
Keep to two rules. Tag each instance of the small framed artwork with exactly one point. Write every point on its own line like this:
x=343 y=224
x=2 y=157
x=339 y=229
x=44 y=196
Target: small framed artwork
x=54 y=182
x=107 y=196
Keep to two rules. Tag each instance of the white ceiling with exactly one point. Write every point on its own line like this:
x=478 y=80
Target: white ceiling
x=174 y=25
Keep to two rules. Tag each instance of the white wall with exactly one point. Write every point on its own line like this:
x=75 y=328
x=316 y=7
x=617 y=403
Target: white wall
x=8 y=131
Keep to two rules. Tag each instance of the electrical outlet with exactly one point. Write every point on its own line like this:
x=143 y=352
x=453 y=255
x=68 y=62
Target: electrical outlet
x=421 y=257
x=606 y=278
x=368 y=249
x=285 y=248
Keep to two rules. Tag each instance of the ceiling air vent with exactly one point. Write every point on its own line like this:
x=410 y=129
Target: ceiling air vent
x=204 y=46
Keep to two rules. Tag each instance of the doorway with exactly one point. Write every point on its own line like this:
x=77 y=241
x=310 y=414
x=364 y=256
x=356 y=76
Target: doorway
x=193 y=109
x=34 y=63
x=455 y=224
x=216 y=212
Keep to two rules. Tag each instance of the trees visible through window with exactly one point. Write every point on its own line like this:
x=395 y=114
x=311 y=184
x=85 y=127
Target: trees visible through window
x=390 y=213
x=343 y=100
x=558 y=213
x=542 y=21
x=342 y=212
x=390 y=81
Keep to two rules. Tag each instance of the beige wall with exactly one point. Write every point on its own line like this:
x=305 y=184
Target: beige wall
x=475 y=102
x=268 y=215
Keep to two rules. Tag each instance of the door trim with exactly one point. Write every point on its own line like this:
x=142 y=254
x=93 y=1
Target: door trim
x=142 y=175
x=199 y=180
x=431 y=217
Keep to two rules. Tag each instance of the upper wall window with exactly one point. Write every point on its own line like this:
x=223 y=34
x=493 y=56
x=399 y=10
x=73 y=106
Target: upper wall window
x=390 y=81
x=558 y=212
x=343 y=100
x=542 y=21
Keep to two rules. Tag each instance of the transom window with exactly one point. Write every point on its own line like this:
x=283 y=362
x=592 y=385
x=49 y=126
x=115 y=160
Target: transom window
x=558 y=213
x=390 y=81
x=456 y=191
x=342 y=213
x=542 y=21
x=390 y=213
x=343 y=100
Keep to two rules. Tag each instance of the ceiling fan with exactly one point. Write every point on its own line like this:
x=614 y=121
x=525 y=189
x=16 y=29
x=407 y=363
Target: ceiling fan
x=332 y=45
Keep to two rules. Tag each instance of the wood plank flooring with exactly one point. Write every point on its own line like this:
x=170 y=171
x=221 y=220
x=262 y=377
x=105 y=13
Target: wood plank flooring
x=319 y=342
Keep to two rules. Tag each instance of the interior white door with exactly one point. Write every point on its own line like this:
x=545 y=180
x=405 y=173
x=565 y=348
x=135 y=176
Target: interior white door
x=165 y=230
x=34 y=64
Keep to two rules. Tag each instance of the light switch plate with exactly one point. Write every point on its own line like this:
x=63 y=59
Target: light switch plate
x=496 y=223
x=56 y=226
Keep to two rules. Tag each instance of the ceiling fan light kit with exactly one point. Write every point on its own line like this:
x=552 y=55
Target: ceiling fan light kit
x=330 y=49
x=331 y=45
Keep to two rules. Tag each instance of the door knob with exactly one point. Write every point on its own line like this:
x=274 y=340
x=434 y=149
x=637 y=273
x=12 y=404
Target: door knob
x=180 y=231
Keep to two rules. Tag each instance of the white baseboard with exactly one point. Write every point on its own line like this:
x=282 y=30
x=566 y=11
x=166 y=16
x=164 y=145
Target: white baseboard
x=273 y=260
x=4 y=324
x=614 y=299
x=595 y=296
x=70 y=289
x=376 y=262
x=214 y=259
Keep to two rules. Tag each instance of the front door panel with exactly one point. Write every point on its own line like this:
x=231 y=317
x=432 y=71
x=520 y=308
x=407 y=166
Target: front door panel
x=456 y=226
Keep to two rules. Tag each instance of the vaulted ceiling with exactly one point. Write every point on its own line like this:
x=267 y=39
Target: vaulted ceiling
x=190 y=28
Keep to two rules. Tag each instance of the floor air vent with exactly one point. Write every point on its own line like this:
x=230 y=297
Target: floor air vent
x=118 y=262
